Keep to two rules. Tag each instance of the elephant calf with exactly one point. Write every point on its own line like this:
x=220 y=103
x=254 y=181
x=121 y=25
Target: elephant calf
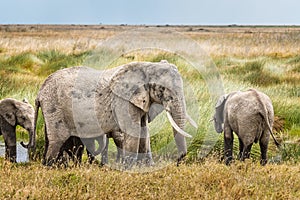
x=13 y=113
x=74 y=147
x=250 y=115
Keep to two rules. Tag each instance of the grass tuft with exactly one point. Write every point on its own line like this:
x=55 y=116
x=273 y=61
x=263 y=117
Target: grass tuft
x=54 y=60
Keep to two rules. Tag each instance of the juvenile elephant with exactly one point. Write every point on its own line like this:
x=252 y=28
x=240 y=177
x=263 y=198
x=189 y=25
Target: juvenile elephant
x=250 y=115
x=13 y=113
x=74 y=147
x=88 y=103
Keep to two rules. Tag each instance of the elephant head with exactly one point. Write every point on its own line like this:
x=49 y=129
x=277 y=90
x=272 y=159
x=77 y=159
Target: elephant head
x=15 y=113
x=146 y=84
x=219 y=113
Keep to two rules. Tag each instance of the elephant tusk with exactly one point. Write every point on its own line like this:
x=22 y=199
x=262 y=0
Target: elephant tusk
x=175 y=126
x=192 y=122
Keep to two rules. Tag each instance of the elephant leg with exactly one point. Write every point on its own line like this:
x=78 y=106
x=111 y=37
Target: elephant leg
x=246 y=151
x=11 y=153
x=78 y=153
x=104 y=154
x=119 y=155
x=130 y=150
x=118 y=138
x=263 y=143
x=53 y=151
x=144 y=146
x=228 y=144
x=241 y=149
x=128 y=117
x=91 y=157
x=9 y=136
x=181 y=146
x=90 y=148
x=46 y=145
x=76 y=150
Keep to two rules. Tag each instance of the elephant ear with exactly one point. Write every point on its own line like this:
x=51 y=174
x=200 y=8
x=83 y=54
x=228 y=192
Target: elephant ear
x=220 y=108
x=155 y=109
x=130 y=83
x=7 y=111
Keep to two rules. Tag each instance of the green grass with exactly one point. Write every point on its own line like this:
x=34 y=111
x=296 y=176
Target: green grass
x=203 y=174
x=54 y=60
x=262 y=58
x=22 y=75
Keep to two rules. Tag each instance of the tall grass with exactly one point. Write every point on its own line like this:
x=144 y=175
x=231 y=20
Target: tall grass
x=23 y=74
x=253 y=59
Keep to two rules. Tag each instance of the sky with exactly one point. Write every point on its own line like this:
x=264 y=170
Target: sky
x=151 y=12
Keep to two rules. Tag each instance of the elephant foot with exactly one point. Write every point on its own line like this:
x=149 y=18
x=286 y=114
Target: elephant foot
x=263 y=162
x=104 y=161
x=149 y=162
x=129 y=161
x=11 y=153
x=13 y=159
x=145 y=159
x=180 y=159
x=49 y=162
x=145 y=163
x=228 y=160
x=91 y=159
x=240 y=156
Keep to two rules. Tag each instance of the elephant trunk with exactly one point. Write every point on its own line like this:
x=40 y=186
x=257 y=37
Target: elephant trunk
x=31 y=143
x=177 y=117
x=32 y=131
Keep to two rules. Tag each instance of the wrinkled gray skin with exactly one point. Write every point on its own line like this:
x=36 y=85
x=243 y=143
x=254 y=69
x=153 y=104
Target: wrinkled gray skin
x=13 y=113
x=250 y=115
x=88 y=103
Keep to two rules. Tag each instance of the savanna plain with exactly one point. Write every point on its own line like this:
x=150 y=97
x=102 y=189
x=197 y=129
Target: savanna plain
x=265 y=58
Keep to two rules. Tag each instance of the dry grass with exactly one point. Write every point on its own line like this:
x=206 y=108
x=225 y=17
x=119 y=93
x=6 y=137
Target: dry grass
x=208 y=180
x=217 y=41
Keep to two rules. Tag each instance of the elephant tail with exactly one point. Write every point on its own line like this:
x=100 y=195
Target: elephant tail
x=264 y=114
x=31 y=143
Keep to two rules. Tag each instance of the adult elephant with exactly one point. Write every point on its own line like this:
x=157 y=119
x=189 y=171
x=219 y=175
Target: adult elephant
x=13 y=113
x=250 y=115
x=88 y=103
